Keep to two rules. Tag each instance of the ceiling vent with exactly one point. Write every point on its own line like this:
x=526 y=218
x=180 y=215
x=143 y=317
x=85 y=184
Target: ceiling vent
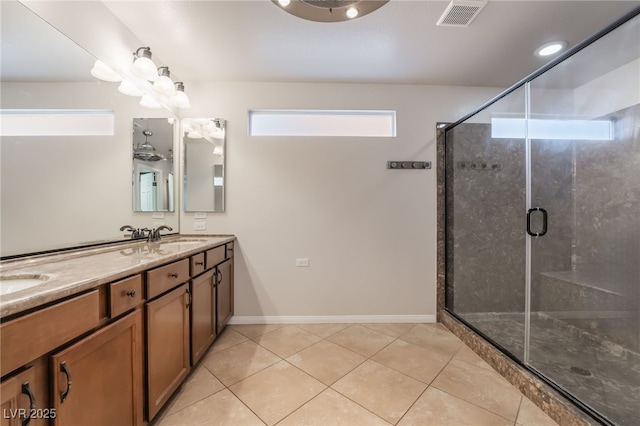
x=460 y=13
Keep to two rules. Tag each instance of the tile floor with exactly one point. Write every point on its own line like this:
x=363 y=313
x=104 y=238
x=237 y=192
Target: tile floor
x=346 y=374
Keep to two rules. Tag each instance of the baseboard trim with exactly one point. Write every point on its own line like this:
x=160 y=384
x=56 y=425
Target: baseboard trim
x=332 y=319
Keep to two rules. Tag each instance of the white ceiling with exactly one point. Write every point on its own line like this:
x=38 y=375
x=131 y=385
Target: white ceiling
x=399 y=43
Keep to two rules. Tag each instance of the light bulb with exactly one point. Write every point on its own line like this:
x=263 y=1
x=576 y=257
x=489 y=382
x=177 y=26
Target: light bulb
x=284 y=3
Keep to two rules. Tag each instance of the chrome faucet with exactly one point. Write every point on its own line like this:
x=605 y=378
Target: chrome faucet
x=135 y=233
x=154 y=235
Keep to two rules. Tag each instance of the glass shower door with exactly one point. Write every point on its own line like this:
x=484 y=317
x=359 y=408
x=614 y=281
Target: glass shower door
x=584 y=132
x=485 y=225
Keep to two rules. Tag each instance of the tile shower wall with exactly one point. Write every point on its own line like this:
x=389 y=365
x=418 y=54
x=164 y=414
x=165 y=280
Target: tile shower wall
x=585 y=271
x=487 y=225
x=600 y=294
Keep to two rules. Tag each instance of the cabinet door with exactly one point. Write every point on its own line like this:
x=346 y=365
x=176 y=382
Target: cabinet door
x=224 y=285
x=203 y=327
x=18 y=399
x=98 y=380
x=167 y=346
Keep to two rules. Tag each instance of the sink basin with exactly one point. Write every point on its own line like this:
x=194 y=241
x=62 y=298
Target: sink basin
x=13 y=283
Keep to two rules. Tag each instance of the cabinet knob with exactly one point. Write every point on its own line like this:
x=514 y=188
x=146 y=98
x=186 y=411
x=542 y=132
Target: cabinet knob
x=174 y=275
x=131 y=293
x=200 y=263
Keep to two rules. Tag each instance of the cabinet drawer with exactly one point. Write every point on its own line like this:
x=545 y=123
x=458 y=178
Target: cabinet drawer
x=229 y=250
x=124 y=295
x=215 y=255
x=166 y=277
x=31 y=336
x=197 y=264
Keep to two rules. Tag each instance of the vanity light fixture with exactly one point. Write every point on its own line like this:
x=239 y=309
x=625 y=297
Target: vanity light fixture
x=329 y=10
x=551 y=48
x=144 y=79
x=128 y=88
x=180 y=99
x=149 y=101
x=143 y=66
x=207 y=128
x=164 y=84
x=103 y=72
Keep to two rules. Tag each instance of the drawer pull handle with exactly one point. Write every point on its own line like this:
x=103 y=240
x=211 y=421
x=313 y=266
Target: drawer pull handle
x=131 y=293
x=32 y=402
x=63 y=369
x=174 y=275
x=200 y=263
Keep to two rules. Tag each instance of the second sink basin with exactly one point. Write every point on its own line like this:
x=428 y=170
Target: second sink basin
x=13 y=283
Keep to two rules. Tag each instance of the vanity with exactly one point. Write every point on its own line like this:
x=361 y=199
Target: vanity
x=105 y=336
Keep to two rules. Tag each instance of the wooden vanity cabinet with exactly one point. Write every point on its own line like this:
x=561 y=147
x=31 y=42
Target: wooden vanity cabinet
x=203 y=314
x=98 y=380
x=18 y=399
x=168 y=361
x=224 y=309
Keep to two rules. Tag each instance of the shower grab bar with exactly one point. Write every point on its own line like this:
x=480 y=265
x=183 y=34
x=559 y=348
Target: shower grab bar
x=544 y=221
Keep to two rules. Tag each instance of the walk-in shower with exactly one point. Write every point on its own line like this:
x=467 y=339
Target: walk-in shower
x=542 y=223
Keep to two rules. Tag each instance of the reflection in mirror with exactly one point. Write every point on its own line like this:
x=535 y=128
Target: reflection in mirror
x=61 y=191
x=153 y=175
x=204 y=146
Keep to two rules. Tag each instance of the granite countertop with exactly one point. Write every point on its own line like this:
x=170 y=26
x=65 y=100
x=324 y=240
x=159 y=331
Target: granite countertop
x=72 y=272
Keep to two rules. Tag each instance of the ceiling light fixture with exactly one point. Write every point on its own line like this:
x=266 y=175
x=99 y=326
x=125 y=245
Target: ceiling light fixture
x=549 y=49
x=329 y=10
x=145 y=151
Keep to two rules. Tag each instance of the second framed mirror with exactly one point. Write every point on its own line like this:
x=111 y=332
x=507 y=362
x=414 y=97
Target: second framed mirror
x=204 y=168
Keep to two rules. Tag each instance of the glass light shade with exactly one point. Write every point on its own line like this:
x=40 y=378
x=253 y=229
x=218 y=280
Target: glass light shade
x=164 y=85
x=130 y=89
x=217 y=150
x=194 y=134
x=144 y=67
x=180 y=100
x=149 y=101
x=103 y=72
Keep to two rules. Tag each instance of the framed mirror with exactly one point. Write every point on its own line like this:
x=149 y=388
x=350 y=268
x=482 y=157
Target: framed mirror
x=204 y=168
x=153 y=172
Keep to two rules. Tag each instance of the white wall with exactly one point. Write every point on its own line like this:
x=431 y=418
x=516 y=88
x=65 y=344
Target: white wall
x=369 y=232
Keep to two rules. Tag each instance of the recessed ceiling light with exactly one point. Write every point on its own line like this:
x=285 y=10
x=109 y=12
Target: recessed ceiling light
x=549 y=49
x=352 y=12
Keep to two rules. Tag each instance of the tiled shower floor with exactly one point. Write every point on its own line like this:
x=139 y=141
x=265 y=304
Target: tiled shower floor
x=346 y=374
x=610 y=379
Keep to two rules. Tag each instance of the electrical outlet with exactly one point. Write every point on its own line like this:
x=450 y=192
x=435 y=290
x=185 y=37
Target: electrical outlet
x=199 y=226
x=302 y=261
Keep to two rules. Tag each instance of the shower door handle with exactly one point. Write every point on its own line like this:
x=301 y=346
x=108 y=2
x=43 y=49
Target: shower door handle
x=544 y=221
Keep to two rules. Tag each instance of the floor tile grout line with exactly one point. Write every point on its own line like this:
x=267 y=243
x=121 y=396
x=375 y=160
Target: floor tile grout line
x=476 y=405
